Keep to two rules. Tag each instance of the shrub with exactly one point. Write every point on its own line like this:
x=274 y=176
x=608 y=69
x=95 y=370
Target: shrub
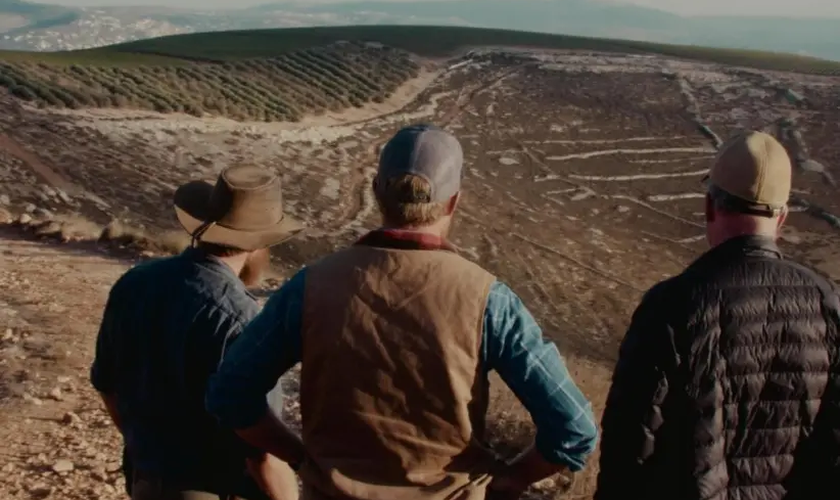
x=7 y=81
x=194 y=110
x=22 y=92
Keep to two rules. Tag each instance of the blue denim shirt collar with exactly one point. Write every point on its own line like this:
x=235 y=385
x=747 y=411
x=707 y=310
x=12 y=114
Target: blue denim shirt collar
x=216 y=264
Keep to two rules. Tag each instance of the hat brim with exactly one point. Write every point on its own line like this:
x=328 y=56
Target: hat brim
x=191 y=203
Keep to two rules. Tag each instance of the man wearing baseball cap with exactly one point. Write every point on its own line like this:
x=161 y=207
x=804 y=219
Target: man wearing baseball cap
x=396 y=335
x=728 y=380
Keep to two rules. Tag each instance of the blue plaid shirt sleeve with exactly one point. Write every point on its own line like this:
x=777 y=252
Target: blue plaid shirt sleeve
x=266 y=349
x=532 y=367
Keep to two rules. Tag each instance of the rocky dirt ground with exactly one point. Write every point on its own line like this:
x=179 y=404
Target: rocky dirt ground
x=57 y=441
x=582 y=190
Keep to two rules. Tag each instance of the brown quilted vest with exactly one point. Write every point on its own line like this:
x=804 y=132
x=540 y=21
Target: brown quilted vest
x=392 y=395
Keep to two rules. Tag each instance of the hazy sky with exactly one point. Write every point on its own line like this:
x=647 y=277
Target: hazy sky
x=798 y=8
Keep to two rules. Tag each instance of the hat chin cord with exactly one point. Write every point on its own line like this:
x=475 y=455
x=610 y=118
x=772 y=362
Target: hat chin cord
x=199 y=231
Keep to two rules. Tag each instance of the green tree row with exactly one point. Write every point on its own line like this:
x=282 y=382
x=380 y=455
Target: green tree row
x=283 y=88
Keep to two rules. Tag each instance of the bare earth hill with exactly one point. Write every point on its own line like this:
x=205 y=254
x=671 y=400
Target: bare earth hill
x=582 y=190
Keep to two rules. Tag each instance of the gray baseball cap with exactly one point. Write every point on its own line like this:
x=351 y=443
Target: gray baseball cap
x=426 y=151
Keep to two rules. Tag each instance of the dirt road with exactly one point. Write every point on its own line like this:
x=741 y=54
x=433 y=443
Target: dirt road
x=57 y=441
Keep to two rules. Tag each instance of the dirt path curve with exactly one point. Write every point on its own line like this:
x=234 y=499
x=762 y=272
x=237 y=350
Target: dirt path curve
x=57 y=441
x=49 y=175
x=469 y=93
x=361 y=203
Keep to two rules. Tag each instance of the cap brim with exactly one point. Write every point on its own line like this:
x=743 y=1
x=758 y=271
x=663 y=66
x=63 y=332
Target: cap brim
x=191 y=202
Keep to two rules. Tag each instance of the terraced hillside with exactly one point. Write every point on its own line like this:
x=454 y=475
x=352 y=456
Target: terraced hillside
x=582 y=190
x=282 y=88
x=283 y=75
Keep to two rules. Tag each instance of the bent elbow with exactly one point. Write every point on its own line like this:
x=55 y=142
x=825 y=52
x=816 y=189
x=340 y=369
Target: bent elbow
x=570 y=446
x=589 y=440
x=590 y=432
x=584 y=445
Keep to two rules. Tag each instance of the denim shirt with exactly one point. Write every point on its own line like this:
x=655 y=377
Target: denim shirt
x=166 y=325
x=512 y=345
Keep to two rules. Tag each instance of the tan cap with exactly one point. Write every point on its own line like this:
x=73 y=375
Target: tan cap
x=755 y=168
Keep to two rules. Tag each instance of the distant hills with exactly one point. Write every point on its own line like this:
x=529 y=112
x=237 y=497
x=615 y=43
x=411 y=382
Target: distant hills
x=16 y=15
x=28 y=26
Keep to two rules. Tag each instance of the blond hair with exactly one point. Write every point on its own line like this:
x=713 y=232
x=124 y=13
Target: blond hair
x=404 y=201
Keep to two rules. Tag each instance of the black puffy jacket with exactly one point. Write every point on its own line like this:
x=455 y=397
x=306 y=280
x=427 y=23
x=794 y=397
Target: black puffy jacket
x=728 y=385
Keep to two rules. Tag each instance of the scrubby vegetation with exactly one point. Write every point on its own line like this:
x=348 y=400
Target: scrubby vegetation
x=280 y=88
x=117 y=234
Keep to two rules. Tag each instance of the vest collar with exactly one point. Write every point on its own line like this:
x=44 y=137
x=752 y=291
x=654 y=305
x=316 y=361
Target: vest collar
x=404 y=239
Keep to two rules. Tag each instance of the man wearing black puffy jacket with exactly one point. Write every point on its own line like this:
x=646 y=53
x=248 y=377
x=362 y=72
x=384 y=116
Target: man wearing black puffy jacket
x=728 y=380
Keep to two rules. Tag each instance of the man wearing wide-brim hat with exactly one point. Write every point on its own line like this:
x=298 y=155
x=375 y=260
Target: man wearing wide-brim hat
x=166 y=325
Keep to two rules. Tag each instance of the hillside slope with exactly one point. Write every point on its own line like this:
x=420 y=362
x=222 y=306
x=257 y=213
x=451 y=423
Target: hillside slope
x=283 y=75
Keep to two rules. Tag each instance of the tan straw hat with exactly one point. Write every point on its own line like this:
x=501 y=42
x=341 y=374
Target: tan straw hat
x=243 y=210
